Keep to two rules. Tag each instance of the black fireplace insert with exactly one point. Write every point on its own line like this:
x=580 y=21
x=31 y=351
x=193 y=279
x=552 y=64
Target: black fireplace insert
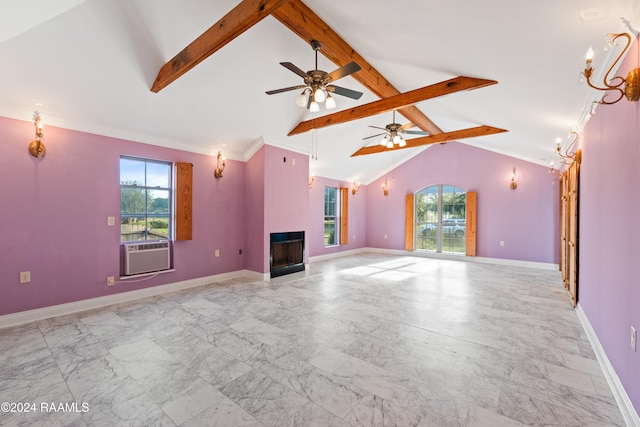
x=287 y=253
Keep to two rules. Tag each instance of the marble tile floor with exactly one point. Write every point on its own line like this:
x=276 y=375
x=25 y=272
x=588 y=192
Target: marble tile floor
x=363 y=340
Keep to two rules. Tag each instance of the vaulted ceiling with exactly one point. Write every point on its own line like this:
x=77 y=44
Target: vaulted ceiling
x=91 y=65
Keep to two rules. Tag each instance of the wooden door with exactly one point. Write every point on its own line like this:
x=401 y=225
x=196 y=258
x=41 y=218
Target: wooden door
x=569 y=227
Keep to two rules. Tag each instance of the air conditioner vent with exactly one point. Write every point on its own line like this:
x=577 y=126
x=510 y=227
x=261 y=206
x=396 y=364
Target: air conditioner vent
x=146 y=257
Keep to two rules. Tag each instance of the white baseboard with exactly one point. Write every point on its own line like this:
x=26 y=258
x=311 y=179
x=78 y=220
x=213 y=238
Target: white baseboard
x=335 y=255
x=622 y=398
x=456 y=257
x=92 y=303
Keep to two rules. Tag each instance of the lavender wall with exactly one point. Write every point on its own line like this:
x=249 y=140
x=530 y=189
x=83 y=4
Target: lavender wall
x=53 y=220
x=277 y=199
x=357 y=217
x=255 y=202
x=608 y=287
x=525 y=219
x=286 y=194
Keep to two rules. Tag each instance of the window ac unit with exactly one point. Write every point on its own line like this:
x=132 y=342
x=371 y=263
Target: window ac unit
x=146 y=257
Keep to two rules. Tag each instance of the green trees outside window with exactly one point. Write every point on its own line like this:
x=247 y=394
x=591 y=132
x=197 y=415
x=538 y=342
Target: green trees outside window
x=145 y=199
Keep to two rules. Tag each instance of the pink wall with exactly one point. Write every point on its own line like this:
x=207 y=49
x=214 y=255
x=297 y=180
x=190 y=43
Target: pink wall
x=608 y=287
x=286 y=195
x=255 y=207
x=357 y=217
x=277 y=200
x=525 y=219
x=53 y=217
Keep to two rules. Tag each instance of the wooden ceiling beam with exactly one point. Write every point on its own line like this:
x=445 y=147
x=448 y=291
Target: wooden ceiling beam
x=239 y=19
x=296 y=16
x=395 y=102
x=432 y=139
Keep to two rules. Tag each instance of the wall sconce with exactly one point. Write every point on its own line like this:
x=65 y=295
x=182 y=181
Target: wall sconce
x=355 y=187
x=632 y=82
x=567 y=156
x=36 y=148
x=220 y=166
x=553 y=171
x=513 y=184
x=312 y=179
x=385 y=188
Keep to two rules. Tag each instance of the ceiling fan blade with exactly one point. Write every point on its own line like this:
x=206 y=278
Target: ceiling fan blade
x=432 y=139
x=284 y=89
x=291 y=67
x=343 y=71
x=396 y=101
x=344 y=91
x=414 y=132
x=407 y=126
x=373 y=136
x=377 y=127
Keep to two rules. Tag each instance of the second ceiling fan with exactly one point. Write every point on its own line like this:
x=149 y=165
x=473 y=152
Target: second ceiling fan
x=393 y=133
x=317 y=87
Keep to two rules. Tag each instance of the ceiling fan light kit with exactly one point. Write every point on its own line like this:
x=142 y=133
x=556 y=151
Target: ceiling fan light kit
x=318 y=87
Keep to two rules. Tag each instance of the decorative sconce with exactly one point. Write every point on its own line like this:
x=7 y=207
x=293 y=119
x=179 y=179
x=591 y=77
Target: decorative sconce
x=567 y=156
x=513 y=185
x=385 y=188
x=36 y=148
x=355 y=187
x=632 y=82
x=312 y=179
x=220 y=166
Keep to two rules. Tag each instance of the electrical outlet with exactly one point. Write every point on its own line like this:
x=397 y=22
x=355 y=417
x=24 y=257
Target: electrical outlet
x=111 y=221
x=634 y=338
x=239 y=251
x=385 y=236
x=216 y=253
x=25 y=277
x=501 y=242
x=111 y=281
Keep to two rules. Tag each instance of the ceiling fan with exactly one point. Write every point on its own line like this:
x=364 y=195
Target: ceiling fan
x=317 y=85
x=393 y=133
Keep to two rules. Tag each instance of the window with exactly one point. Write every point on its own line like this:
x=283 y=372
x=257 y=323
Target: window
x=440 y=212
x=145 y=199
x=331 y=219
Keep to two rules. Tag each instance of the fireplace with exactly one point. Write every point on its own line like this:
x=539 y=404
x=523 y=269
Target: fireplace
x=287 y=253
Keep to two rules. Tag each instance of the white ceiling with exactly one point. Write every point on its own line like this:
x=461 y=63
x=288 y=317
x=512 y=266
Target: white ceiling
x=89 y=65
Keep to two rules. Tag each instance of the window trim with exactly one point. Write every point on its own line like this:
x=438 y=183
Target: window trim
x=335 y=216
x=170 y=202
x=439 y=237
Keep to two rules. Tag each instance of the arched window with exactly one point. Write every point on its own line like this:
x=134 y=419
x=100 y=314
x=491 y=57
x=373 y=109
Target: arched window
x=440 y=219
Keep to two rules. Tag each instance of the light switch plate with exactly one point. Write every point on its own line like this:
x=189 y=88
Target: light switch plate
x=111 y=221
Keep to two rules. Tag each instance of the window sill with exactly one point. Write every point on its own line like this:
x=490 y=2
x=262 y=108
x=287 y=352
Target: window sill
x=149 y=275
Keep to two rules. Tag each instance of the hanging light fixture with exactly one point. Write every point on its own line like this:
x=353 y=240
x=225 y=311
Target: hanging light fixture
x=629 y=87
x=330 y=103
x=303 y=98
